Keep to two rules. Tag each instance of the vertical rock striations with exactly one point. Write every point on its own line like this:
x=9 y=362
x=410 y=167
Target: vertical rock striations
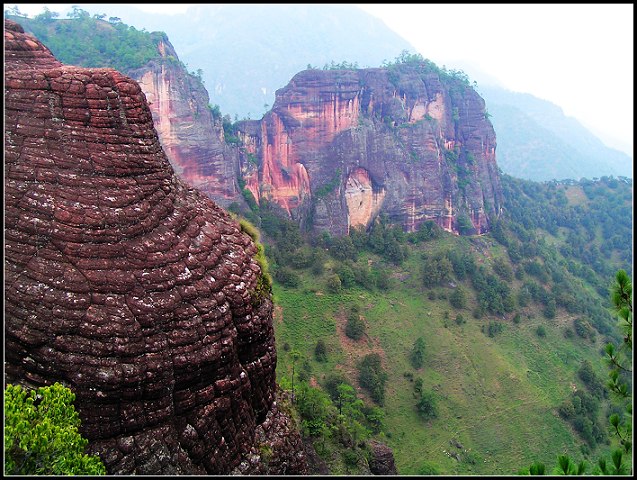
x=191 y=136
x=126 y=285
x=339 y=147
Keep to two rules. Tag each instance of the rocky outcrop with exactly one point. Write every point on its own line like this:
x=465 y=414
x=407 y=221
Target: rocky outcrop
x=191 y=136
x=382 y=459
x=339 y=147
x=125 y=284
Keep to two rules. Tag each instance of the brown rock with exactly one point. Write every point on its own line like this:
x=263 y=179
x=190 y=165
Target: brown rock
x=382 y=459
x=123 y=283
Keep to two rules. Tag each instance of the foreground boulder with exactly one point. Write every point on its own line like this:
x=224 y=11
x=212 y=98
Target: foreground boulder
x=382 y=459
x=131 y=288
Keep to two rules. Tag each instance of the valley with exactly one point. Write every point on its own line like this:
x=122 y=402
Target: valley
x=421 y=297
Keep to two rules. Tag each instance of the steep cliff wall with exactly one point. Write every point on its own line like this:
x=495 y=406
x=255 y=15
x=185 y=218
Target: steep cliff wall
x=123 y=283
x=192 y=139
x=341 y=146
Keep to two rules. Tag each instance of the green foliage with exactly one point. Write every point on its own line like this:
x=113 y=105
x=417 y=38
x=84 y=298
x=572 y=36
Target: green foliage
x=428 y=469
x=426 y=406
x=584 y=329
x=264 y=281
x=426 y=231
x=320 y=351
x=540 y=331
x=618 y=359
x=286 y=276
x=342 y=248
x=582 y=409
x=41 y=433
x=88 y=41
x=355 y=326
x=417 y=355
x=215 y=110
x=334 y=284
x=436 y=270
x=458 y=298
x=230 y=131
x=324 y=190
x=372 y=377
x=494 y=295
x=424 y=65
x=344 y=65
x=502 y=268
x=494 y=328
x=465 y=226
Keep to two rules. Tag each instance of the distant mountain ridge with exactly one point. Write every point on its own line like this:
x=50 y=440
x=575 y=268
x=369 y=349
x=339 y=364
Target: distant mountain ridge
x=536 y=141
x=244 y=53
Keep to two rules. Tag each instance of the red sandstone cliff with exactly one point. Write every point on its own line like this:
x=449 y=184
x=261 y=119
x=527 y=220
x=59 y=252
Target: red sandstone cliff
x=128 y=286
x=341 y=146
x=192 y=139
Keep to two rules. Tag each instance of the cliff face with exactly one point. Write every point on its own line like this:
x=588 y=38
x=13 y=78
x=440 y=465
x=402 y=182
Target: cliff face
x=339 y=147
x=123 y=283
x=192 y=139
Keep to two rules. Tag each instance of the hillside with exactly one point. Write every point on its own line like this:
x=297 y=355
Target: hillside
x=509 y=320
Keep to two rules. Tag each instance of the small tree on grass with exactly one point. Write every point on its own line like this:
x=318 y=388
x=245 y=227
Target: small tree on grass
x=458 y=298
x=334 y=284
x=417 y=356
x=320 y=351
x=426 y=406
x=372 y=377
x=355 y=327
x=41 y=434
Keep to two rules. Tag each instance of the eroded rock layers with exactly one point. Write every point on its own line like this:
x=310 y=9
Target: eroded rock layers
x=123 y=283
x=341 y=147
x=191 y=136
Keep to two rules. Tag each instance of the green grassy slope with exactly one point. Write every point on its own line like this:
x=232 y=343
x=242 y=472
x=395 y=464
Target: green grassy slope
x=497 y=396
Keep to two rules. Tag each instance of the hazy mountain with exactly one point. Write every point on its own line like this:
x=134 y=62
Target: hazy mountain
x=537 y=141
x=247 y=52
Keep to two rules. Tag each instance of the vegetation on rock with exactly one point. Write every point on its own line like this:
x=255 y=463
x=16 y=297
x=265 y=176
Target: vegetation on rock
x=41 y=433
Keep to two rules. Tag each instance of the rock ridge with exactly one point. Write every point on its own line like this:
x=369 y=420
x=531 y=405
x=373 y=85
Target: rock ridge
x=124 y=283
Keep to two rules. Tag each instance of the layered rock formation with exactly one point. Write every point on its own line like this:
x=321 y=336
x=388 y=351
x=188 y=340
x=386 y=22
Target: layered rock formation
x=339 y=147
x=192 y=138
x=123 y=283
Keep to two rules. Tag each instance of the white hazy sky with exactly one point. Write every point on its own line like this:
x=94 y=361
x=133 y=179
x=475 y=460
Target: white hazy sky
x=579 y=57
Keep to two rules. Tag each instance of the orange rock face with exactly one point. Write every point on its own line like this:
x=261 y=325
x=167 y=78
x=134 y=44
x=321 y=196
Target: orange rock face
x=285 y=180
x=340 y=147
x=191 y=138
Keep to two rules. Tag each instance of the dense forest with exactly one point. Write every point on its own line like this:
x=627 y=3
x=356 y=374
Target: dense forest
x=99 y=41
